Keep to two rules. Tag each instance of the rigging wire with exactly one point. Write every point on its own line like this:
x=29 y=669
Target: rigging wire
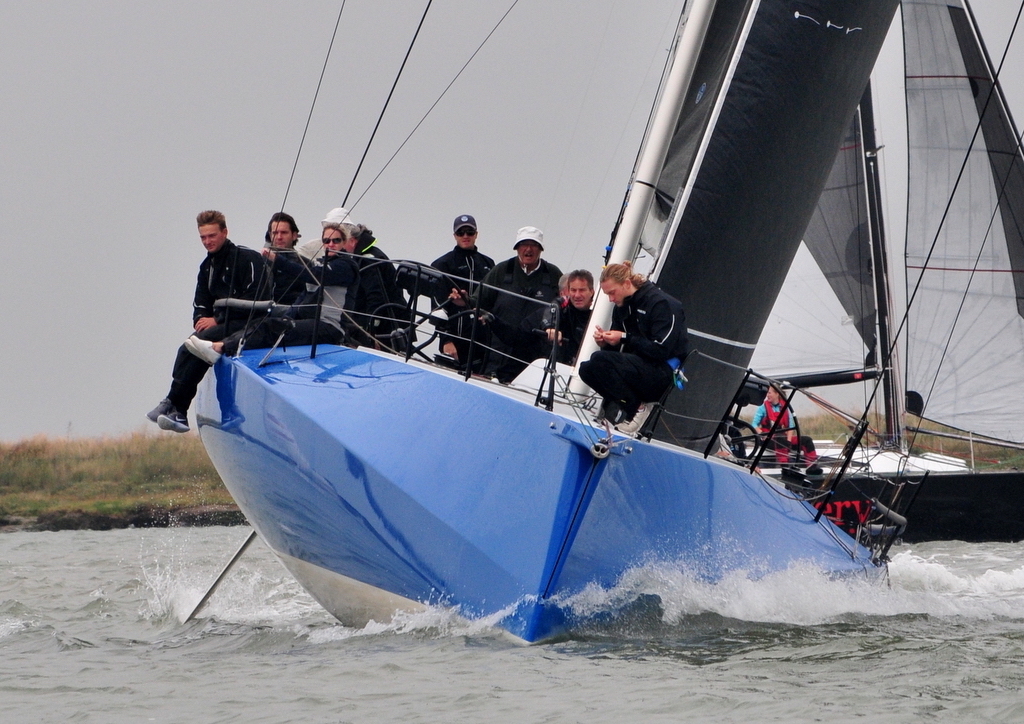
x=431 y=108
x=647 y=129
x=567 y=146
x=309 y=117
x=993 y=91
x=387 y=102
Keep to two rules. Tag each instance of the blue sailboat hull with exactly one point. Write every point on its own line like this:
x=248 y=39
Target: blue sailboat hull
x=402 y=484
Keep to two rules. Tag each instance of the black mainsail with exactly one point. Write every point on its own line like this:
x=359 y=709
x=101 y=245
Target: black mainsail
x=796 y=71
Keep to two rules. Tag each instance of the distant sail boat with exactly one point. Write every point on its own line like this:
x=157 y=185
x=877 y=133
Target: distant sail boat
x=963 y=335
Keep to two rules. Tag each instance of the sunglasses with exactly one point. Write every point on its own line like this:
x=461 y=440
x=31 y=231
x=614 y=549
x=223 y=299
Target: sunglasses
x=332 y=241
x=466 y=232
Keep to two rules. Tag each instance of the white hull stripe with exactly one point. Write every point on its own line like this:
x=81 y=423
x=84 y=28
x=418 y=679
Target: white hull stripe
x=721 y=340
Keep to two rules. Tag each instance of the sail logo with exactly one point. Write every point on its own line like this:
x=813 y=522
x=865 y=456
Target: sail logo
x=829 y=25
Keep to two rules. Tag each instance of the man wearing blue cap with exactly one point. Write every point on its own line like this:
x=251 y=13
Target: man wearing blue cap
x=466 y=267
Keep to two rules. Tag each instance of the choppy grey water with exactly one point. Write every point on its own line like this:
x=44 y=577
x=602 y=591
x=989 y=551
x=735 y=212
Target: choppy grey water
x=91 y=631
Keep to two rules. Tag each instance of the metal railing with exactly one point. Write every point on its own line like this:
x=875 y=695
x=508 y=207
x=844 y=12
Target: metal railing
x=410 y=331
x=884 y=516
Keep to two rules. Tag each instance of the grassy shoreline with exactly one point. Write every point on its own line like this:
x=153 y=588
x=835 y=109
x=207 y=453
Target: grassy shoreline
x=135 y=479
x=146 y=479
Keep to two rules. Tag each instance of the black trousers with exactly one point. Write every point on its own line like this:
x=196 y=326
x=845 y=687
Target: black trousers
x=514 y=348
x=626 y=379
x=458 y=332
x=296 y=332
x=189 y=370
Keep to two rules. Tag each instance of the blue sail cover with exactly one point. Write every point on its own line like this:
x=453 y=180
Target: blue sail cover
x=965 y=229
x=755 y=171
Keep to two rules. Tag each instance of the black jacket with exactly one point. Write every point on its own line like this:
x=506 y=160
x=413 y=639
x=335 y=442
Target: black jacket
x=233 y=271
x=515 y=315
x=461 y=264
x=377 y=286
x=289 y=288
x=572 y=323
x=654 y=324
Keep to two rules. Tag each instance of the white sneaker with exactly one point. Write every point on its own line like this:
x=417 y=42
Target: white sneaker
x=631 y=427
x=203 y=349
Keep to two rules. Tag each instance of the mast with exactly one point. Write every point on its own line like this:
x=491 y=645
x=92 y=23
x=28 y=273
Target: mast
x=693 y=25
x=880 y=269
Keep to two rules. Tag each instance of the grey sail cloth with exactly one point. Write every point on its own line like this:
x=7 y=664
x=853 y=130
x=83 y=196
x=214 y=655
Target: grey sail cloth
x=963 y=361
x=965 y=349
x=839 y=236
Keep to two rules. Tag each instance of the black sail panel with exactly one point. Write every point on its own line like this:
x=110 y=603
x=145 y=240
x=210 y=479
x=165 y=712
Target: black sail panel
x=800 y=73
x=720 y=44
x=722 y=37
x=839 y=235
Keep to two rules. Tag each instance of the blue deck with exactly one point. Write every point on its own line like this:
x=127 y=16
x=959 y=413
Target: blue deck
x=442 y=491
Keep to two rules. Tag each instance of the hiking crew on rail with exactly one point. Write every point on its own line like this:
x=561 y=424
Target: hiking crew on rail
x=228 y=270
x=635 y=366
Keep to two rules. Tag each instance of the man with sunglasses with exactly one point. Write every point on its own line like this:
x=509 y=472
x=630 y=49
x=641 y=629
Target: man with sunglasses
x=467 y=267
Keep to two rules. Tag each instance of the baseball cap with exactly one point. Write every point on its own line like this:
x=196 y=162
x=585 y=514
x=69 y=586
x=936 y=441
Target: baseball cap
x=464 y=220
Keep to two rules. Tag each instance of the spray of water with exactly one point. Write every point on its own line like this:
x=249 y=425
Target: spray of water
x=974 y=583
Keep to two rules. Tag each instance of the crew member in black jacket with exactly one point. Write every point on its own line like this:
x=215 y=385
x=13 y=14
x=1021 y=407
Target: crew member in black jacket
x=227 y=271
x=574 y=315
x=532 y=282
x=316 y=317
x=282 y=236
x=466 y=265
x=632 y=368
x=376 y=303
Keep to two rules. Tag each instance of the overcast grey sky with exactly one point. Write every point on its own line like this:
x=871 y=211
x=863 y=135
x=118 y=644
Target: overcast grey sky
x=122 y=120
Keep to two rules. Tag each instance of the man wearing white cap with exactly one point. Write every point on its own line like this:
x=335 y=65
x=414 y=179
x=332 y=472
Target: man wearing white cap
x=526 y=275
x=314 y=248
